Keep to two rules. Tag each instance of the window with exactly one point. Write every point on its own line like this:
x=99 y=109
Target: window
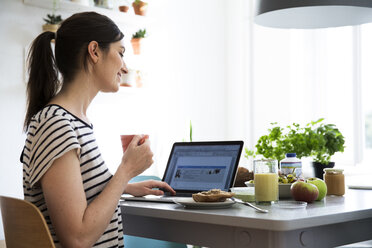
x=304 y=75
x=366 y=78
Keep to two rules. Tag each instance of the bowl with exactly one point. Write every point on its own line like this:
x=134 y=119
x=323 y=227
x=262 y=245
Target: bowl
x=284 y=189
x=244 y=193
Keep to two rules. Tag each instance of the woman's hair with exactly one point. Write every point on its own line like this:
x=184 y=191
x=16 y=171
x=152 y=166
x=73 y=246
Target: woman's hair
x=71 y=54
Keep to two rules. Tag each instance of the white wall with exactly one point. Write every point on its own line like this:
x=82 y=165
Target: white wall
x=186 y=65
x=188 y=79
x=16 y=30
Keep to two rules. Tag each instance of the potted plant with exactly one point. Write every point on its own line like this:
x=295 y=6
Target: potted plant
x=137 y=39
x=317 y=140
x=52 y=22
x=123 y=6
x=140 y=7
x=325 y=141
x=280 y=141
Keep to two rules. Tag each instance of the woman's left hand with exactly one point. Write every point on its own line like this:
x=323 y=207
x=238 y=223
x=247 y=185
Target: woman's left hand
x=146 y=188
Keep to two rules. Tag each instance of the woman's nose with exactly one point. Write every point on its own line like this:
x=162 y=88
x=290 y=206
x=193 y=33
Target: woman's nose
x=124 y=69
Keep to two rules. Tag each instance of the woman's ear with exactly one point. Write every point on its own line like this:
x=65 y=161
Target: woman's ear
x=94 y=51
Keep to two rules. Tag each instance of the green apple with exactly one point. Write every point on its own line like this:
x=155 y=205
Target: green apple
x=321 y=185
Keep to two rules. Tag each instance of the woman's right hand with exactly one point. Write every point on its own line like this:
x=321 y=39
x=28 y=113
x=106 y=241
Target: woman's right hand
x=137 y=157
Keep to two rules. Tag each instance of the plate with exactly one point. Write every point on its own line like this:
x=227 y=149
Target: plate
x=245 y=194
x=190 y=203
x=290 y=204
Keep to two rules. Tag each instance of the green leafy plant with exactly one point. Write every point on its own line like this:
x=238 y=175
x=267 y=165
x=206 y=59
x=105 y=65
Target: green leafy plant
x=183 y=140
x=53 y=19
x=317 y=140
x=326 y=141
x=139 y=34
x=190 y=131
x=139 y=2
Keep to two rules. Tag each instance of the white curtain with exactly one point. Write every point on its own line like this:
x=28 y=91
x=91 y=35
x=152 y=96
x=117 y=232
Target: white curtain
x=304 y=75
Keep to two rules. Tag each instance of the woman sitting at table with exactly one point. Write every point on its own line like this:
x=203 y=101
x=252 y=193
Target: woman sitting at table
x=64 y=174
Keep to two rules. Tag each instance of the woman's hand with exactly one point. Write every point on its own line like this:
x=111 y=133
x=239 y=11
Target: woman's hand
x=146 y=188
x=138 y=156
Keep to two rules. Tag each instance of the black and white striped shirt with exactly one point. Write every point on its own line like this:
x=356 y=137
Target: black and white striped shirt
x=53 y=131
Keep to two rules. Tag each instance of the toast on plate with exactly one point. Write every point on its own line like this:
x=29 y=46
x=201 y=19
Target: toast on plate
x=213 y=195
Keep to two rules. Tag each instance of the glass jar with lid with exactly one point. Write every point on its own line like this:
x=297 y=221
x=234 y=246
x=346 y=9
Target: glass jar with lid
x=335 y=180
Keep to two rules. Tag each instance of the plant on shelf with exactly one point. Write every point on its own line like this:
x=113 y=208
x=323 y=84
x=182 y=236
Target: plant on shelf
x=52 y=21
x=139 y=34
x=137 y=40
x=140 y=7
x=317 y=140
x=123 y=6
x=103 y=4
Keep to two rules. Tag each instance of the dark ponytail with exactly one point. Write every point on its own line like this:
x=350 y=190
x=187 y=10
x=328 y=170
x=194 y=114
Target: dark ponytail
x=43 y=82
x=71 y=56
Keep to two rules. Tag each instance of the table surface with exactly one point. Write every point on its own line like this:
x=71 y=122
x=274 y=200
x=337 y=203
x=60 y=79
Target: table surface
x=353 y=206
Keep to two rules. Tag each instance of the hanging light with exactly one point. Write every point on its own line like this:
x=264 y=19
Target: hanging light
x=305 y=14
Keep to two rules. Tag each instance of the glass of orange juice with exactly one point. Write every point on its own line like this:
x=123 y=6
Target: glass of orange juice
x=266 y=186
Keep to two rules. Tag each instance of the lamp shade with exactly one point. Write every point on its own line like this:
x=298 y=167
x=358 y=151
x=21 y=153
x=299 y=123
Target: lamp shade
x=305 y=14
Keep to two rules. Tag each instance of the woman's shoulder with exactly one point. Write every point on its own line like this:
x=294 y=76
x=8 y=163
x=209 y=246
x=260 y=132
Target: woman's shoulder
x=49 y=116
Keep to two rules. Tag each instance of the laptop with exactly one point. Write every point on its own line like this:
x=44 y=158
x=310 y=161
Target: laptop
x=198 y=166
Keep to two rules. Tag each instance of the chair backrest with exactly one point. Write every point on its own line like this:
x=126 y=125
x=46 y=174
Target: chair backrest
x=24 y=225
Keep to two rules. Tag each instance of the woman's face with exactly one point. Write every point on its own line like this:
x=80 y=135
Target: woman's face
x=111 y=68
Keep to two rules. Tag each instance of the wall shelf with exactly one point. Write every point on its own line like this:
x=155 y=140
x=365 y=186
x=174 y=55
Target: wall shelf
x=127 y=22
x=120 y=18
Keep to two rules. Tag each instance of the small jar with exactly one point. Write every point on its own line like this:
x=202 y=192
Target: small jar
x=335 y=180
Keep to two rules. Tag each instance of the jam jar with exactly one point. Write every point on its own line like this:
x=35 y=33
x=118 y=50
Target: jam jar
x=335 y=180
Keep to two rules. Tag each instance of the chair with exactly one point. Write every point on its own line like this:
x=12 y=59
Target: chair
x=134 y=242
x=24 y=225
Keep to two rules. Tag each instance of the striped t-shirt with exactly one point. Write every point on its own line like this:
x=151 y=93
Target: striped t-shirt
x=52 y=132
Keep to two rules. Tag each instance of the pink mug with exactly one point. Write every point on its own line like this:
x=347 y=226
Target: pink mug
x=126 y=139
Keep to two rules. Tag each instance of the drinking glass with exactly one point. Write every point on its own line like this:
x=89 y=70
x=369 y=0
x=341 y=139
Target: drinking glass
x=266 y=181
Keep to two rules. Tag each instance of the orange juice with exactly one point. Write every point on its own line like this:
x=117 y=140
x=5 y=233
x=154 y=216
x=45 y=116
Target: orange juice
x=266 y=187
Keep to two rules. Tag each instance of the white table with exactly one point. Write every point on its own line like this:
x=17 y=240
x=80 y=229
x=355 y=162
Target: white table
x=332 y=222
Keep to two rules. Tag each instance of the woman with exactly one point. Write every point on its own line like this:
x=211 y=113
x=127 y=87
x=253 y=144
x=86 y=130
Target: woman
x=64 y=174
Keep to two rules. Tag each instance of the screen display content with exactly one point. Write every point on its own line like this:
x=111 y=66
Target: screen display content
x=202 y=167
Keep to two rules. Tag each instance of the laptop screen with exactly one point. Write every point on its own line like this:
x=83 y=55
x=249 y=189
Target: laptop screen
x=198 y=166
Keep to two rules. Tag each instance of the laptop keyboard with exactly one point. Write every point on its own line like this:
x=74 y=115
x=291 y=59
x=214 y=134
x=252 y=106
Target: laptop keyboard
x=178 y=194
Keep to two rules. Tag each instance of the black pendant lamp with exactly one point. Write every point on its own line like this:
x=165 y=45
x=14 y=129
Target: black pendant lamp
x=304 y=14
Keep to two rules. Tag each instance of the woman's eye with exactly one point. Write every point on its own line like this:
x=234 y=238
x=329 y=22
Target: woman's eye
x=121 y=54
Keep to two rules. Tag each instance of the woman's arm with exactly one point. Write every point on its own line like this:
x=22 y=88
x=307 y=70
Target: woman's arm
x=78 y=224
